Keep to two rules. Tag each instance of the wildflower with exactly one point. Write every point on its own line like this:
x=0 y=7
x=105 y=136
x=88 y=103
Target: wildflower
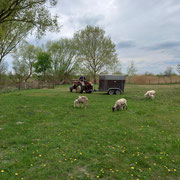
x=97 y=176
x=174 y=170
x=169 y=170
x=132 y=175
x=161 y=152
x=132 y=167
x=154 y=164
x=16 y=174
x=80 y=153
x=2 y=170
x=40 y=155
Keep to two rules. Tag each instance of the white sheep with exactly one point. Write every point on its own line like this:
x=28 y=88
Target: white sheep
x=150 y=94
x=121 y=103
x=81 y=100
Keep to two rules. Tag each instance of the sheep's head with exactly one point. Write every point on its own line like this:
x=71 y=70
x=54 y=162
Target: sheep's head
x=113 y=109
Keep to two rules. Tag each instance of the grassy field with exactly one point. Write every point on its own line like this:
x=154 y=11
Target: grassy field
x=42 y=136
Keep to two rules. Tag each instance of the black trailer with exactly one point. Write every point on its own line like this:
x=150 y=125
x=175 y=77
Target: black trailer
x=112 y=84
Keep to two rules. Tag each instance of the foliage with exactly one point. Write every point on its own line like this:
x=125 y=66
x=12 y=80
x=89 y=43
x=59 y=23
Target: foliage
x=131 y=70
x=95 y=50
x=24 y=56
x=44 y=137
x=19 y=18
x=3 y=67
x=63 y=55
x=178 y=68
x=43 y=63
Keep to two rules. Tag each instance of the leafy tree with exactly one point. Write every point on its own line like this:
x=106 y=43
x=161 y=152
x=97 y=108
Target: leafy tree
x=43 y=63
x=63 y=55
x=95 y=50
x=3 y=68
x=19 y=18
x=178 y=68
x=131 y=70
x=24 y=59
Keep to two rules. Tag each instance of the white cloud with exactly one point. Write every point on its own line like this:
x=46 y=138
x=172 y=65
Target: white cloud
x=134 y=26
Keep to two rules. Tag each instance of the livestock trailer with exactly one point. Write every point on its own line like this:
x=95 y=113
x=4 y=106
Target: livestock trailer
x=112 y=84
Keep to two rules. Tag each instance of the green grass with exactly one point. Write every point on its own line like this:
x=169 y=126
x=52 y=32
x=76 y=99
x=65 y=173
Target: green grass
x=58 y=141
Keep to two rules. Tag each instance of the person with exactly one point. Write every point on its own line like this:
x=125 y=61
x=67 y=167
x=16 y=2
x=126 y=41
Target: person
x=83 y=80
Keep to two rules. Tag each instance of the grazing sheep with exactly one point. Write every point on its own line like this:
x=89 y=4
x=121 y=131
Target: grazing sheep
x=76 y=103
x=150 y=94
x=121 y=103
x=81 y=100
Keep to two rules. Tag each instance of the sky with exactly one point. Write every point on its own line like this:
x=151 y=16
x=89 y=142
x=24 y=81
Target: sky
x=145 y=32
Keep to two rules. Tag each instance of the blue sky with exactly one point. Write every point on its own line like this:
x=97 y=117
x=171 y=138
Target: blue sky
x=147 y=32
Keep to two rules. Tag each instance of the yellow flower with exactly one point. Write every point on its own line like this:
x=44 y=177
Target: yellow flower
x=132 y=175
x=97 y=176
x=16 y=174
x=40 y=155
x=169 y=170
x=154 y=164
x=80 y=153
x=2 y=170
x=174 y=170
x=132 y=167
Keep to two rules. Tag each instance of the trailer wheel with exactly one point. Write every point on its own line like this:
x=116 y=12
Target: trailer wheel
x=118 y=92
x=111 y=92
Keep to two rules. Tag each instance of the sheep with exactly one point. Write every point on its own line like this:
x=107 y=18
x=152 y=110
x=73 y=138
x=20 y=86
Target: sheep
x=150 y=94
x=81 y=100
x=121 y=103
x=76 y=103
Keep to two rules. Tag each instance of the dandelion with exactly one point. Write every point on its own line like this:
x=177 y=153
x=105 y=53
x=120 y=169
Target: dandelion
x=40 y=155
x=132 y=175
x=154 y=164
x=169 y=170
x=16 y=174
x=97 y=176
x=161 y=152
x=132 y=167
x=149 y=168
x=80 y=153
x=174 y=170
x=2 y=170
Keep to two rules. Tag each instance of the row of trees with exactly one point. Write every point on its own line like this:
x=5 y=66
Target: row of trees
x=88 y=52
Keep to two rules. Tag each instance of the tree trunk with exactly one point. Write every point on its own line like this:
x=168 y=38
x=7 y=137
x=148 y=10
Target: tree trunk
x=94 y=78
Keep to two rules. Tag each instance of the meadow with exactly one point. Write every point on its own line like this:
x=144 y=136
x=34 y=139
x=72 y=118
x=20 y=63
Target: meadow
x=42 y=136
